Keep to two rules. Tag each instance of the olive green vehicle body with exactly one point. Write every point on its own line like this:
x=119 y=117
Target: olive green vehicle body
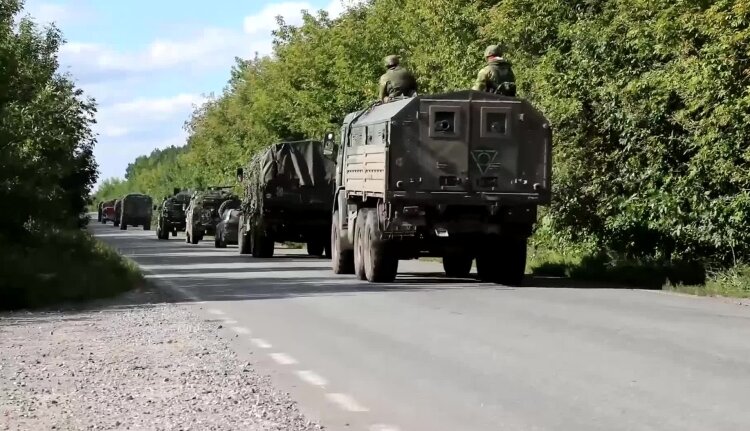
x=457 y=175
x=287 y=196
x=202 y=213
x=171 y=216
x=134 y=209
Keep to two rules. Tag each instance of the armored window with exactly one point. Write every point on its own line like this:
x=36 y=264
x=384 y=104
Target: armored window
x=445 y=121
x=494 y=122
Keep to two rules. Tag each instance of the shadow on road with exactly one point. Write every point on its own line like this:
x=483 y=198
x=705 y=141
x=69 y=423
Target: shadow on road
x=224 y=275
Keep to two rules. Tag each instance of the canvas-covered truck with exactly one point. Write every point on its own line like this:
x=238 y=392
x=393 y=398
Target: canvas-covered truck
x=457 y=175
x=171 y=214
x=135 y=210
x=288 y=191
x=202 y=213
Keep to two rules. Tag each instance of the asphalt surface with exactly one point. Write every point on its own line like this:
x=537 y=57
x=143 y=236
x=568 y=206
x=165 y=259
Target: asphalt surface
x=431 y=353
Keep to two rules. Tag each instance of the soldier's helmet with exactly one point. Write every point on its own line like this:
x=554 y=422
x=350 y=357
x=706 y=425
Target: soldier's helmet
x=493 y=51
x=392 y=61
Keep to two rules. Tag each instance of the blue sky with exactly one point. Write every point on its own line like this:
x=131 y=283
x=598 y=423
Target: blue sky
x=149 y=63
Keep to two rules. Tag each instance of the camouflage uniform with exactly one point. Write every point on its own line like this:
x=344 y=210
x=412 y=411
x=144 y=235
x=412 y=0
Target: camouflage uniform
x=396 y=81
x=497 y=76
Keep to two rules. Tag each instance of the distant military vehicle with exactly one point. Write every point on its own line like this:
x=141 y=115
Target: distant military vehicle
x=203 y=212
x=228 y=227
x=108 y=211
x=118 y=211
x=171 y=214
x=288 y=190
x=135 y=210
x=456 y=175
x=99 y=211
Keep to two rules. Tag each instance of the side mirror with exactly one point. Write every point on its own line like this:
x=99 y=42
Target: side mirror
x=240 y=174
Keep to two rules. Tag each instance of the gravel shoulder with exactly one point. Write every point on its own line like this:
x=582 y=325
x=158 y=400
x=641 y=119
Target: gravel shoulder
x=137 y=363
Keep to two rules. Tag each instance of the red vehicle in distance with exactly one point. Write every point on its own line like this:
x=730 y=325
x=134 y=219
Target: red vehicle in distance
x=108 y=211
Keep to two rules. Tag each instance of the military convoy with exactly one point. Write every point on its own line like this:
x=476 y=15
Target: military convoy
x=171 y=214
x=202 y=213
x=457 y=175
x=288 y=192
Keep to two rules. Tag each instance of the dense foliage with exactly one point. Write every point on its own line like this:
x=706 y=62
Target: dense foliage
x=649 y=100
x=47 y=171
x=46 y=143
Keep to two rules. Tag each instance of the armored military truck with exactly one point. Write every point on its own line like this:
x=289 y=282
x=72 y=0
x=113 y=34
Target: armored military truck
x=171 y=214
x=135 y=210
x=202 y=213
x=288 y=192
x=457 y=175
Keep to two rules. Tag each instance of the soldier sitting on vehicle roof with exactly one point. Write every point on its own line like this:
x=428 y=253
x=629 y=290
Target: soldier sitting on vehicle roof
x=396 y=81
x=497 y=76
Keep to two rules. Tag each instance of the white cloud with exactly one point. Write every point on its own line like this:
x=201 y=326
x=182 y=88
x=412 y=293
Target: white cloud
x=138 y=116
x=60 y=14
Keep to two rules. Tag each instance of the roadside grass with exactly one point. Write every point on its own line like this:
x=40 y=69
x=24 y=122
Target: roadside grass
x=684 y=277
x=61 y=267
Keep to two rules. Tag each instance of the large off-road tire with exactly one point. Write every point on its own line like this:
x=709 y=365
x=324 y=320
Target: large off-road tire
x=359 y=243
x=116 y=223
x=381 y=262
x=457 y=265
x=123 y=224
x=315 y=247
x=187 y=236
x=104 y=221
x=243 y=240
x=502 y=260
x=219 y=240
x=147 y=226
x=174 y=233
x=160 y=231
x=262 y=244
x=342 y=261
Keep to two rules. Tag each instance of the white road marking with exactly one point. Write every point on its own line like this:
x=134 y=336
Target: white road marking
x=230 y=321
x=240 y=330
x=346 y=402
x=215 y=312
x=283 y=358
x=383 y=427
x=311 y=377
x=261 y=343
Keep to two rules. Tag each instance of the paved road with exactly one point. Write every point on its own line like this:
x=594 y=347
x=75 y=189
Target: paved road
x=429 y=353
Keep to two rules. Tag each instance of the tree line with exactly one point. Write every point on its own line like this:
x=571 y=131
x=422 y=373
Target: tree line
x=649 y=101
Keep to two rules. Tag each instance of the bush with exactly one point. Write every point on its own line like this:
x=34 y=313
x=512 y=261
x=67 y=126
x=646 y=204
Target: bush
x=62 y=266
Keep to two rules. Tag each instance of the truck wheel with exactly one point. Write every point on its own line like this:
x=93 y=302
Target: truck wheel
x=381 y=264
x=457 y=265
x=243 y=240
x=359 y=243
x=147 y=226
x=174 y=233
x=262 y=244
x=115 y=223
x=342 y=261
x=194 y=238
x=315 y=248
x=104 y=221
x=217 y=242
x=123 y=224
x=187 y=236
x=503 y=261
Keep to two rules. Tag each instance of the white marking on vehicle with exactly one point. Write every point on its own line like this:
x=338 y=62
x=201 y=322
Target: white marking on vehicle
x=283 y=358
x=346 y=402
x=311 y=377
x=240 y=330
x=215 y=312
x=261 y=343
